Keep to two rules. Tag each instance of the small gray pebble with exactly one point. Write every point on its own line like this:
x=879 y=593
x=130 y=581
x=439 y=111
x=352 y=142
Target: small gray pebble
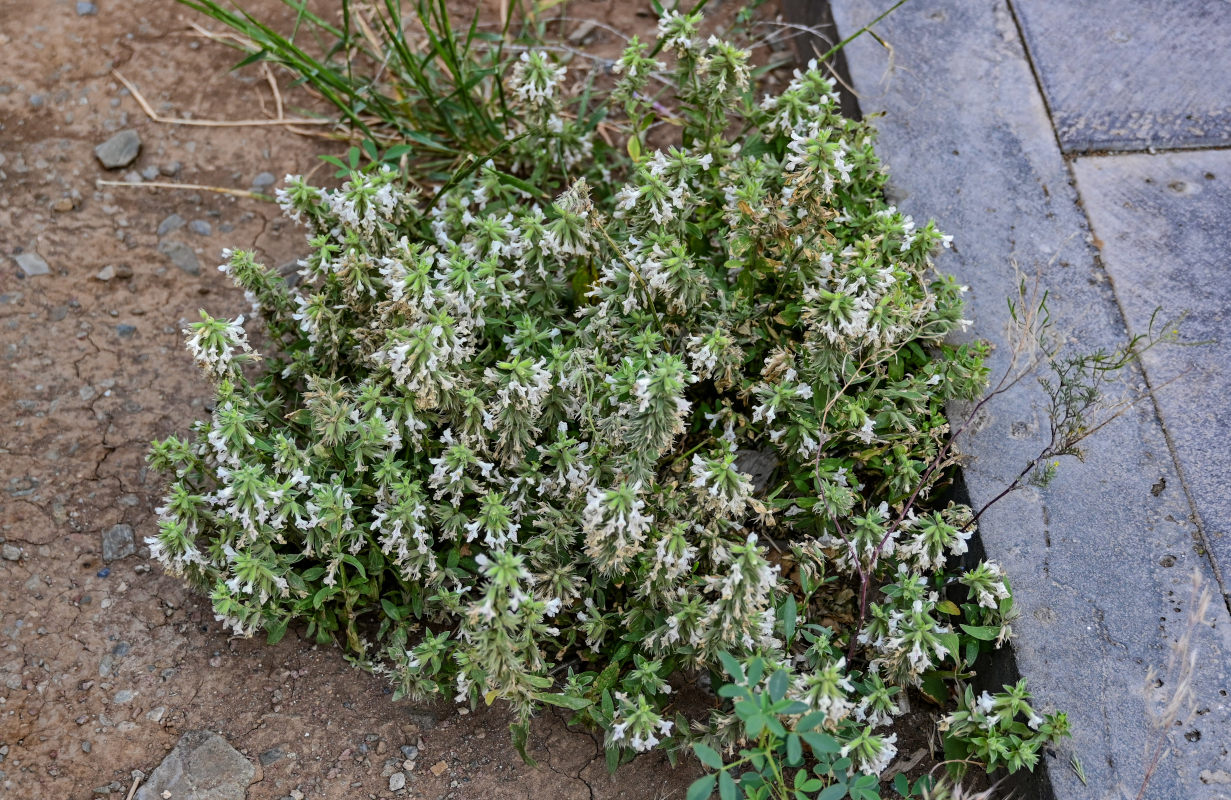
x=181 y=255
x=132 y=176
x=85 y=9
x=270 y=756
x=118 y=540
x=36 y=101
x=397 y=781
x=121 y=649
x=120 y=150
x=123 y=696
x=10 y=552
x=200 y=227
x=171 y=169
x=86 y=747
x=150 y=173
x=32 y=264
x=410 y=751
x=173 y=222
x=263 y=180
x=125 y=331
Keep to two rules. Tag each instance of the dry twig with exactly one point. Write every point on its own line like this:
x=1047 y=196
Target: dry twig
x=213 y=123
x=196 y=186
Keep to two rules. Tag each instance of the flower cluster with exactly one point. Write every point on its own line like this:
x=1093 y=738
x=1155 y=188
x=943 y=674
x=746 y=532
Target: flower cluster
x=518 y=432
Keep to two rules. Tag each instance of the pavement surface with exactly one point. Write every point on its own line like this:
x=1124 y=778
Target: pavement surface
x=1077 y=146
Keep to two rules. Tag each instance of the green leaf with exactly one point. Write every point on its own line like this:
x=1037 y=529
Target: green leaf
x=392 y=611
x=901 y=784
x=708 y=755
x=634 y=148
x=520 y=733
x=756 y=668
x=357 y=564
x=986 y=633
x=274 y=631
x=790 y=612
x=949 y=607
x=323 y=594
x=778 y=683
x=952 y=643
x=608 y=705
x=701 y=788
x=933 y=686
x=821 y=743
x=810 y=721
x=566 y=701
x=726 y=786
x=613 y=759
x=835 y=792
x=608 y=677
x=794 y=750
x=732 y=666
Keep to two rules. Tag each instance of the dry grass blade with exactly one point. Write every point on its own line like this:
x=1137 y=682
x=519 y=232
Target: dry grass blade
x=213 y=123
x=1173 y=703
x=195 y=186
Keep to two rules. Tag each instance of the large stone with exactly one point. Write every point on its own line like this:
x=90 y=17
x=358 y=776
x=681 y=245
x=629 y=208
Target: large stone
x=203 y=766
x=1101 y=558
x=120 y=150
x=1156 y=218
x=1133 y=74
x=118 y=542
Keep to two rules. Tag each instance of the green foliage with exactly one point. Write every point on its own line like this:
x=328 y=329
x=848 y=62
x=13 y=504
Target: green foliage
x=496 y=447
x=792 y=754
x=418 y=92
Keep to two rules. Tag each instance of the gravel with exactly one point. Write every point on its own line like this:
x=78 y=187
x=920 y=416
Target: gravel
x=120 y=150
x=270 y=756
x=171 y=223
x=85 y=9
x=181 y=255
x=264 y=180
x=32 y=264
x=397 y=781
x=200 y=227
x=10 y=552
x=118 y=542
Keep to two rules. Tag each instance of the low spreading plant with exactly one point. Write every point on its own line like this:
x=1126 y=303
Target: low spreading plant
x=500 y=447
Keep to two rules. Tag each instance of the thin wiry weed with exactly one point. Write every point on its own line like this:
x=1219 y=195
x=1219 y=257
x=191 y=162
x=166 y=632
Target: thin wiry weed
x=1170 y=701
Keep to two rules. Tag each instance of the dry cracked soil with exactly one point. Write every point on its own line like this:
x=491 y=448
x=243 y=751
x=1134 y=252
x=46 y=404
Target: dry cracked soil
x=104 y=665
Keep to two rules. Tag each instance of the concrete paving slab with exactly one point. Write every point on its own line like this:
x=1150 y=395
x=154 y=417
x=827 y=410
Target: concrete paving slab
x=1132 y=74
x=1163 y=224
x=1100 y=559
